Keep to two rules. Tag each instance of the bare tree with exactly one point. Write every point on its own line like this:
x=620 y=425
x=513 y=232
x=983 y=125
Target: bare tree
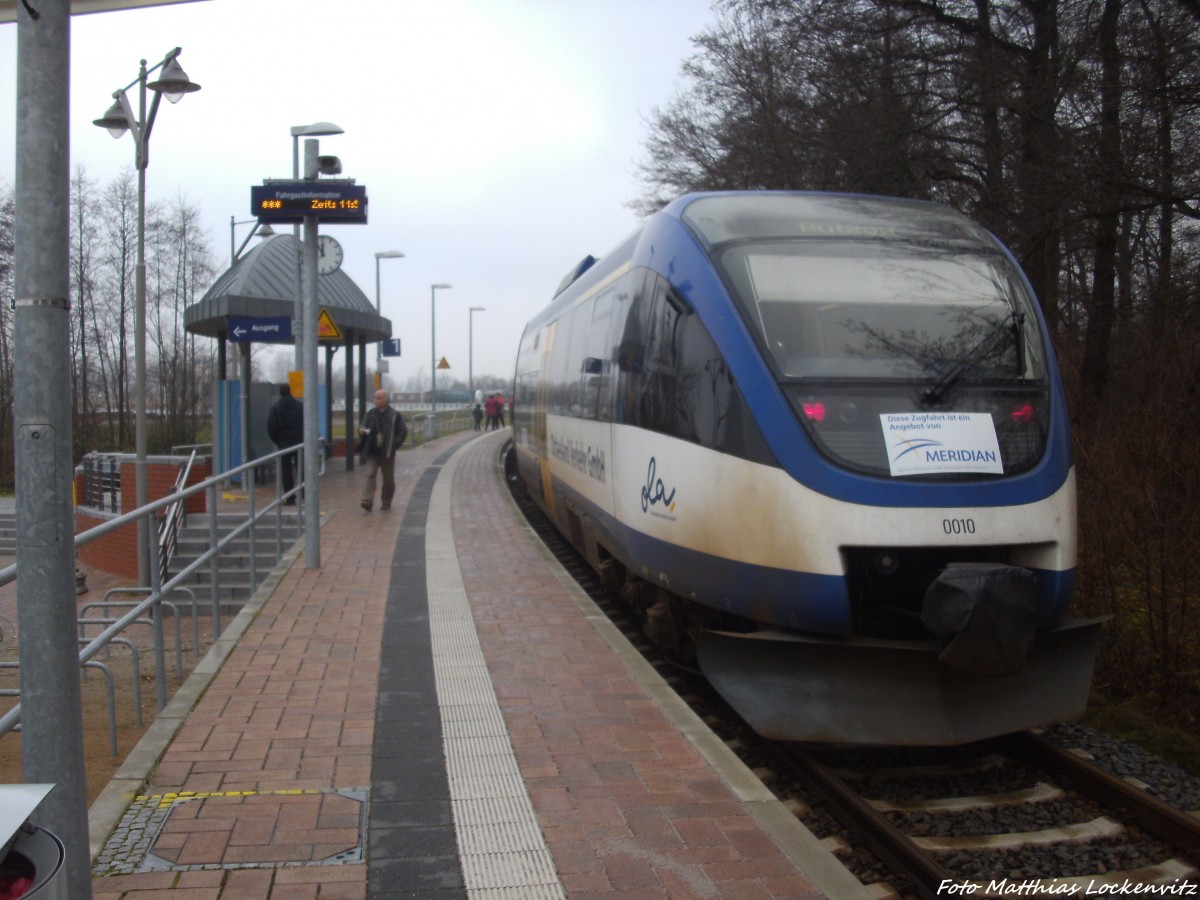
x=182 y=267
x=84 y=249
x=111 y=327
x=1072 y=131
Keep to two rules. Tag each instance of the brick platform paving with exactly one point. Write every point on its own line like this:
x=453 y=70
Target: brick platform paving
x=291 y=709
x=626 y=802
x=261 y=791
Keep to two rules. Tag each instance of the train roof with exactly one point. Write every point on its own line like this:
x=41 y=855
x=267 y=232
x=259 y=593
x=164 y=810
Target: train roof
x=758 y=215
x=721 y=217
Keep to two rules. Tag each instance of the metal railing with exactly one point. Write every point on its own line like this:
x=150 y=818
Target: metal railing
x=150 y=610
x=102 y=481
x=169 y=525
x=425 y=427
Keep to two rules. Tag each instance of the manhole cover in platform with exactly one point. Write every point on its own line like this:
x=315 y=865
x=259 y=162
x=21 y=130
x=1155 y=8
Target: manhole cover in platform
x=238 y=830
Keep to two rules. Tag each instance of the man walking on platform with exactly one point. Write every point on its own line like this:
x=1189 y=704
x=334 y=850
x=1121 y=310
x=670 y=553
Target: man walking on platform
x=285 y=428
x=381 y=434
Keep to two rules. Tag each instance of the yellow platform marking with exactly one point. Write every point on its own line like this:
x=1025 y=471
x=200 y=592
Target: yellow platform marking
x=165 y=800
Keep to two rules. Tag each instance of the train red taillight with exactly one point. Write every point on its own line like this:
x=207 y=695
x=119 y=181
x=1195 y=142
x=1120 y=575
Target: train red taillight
x=1023 y=414
x=815 y=410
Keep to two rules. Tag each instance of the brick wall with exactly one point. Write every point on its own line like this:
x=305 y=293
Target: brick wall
x=117 y=552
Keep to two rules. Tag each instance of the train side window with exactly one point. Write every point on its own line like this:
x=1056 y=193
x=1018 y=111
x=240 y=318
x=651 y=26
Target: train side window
x=568 y=351
x=557 y=372
x=594 y=367
x=674 y=380
x=658 y=402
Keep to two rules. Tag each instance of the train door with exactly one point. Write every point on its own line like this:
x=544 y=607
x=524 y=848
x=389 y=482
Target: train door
x=596 y=378
x=541 y=437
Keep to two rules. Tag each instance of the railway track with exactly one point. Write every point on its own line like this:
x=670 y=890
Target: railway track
x=1017 y=816
x=937 y=845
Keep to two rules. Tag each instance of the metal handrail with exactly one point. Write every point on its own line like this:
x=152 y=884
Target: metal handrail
x=11 y=719
x=101 y=480
x=169 y=525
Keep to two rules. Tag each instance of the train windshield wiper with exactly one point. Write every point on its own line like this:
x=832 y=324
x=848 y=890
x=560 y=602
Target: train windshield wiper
x=997 y=337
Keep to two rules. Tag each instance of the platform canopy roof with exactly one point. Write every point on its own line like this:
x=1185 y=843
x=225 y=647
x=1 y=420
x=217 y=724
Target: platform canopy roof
x=8 y=8
x=262 y=284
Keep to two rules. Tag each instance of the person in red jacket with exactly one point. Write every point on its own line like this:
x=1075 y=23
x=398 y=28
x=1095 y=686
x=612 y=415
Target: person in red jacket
x=489 y=409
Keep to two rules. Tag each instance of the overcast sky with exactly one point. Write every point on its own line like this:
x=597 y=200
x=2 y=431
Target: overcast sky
x=498 y=139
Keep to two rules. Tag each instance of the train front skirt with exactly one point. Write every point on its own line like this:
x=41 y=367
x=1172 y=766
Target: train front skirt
x=864 y=691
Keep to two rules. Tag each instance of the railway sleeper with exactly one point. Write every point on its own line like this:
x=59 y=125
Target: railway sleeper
x=1100 y=827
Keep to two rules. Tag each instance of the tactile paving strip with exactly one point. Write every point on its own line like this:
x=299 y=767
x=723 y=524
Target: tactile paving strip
x=501 y=846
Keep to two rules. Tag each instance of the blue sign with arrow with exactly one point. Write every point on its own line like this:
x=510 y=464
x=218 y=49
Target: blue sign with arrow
x=266 y=330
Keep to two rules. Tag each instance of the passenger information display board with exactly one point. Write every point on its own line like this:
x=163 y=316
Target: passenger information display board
x=291 y=201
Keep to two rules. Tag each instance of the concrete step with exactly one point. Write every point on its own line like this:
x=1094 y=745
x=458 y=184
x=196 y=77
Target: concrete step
x=8 y=532
x=234 y=576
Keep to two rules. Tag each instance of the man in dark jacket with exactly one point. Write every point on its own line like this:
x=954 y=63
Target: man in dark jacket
x=381 y=434
x=285 y=428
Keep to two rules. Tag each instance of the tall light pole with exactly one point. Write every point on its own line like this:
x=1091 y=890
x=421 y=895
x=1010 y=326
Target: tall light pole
x=382 y=254
x=471 y=349
x=316 y=129
x=433 y=289
x=173 y=82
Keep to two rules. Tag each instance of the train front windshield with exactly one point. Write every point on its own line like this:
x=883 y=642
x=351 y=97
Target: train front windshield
x=870 y=307
x=882 y=310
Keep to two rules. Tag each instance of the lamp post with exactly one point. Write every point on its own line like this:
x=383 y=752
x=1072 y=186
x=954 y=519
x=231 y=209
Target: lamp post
x=382 y=254
x=316 y=129
x=173 y=82
x=433 y=289
x=262 y=229
x=471 y=349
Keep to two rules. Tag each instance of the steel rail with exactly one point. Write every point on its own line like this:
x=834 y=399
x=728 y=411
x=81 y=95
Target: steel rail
x=1167 y=822
x=893 y=847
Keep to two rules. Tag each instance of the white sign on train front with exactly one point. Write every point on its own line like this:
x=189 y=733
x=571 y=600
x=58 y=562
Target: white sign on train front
x=920 y=443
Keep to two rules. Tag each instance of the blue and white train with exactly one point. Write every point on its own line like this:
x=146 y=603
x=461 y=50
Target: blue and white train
x=820 y=440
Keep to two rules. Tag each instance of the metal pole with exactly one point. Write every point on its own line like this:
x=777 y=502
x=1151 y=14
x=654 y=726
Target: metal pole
x=312 y=508
x=51 y=705
x=382 y=254
x=298 y=297
x=141 y=474
x=362 y=381
x=349 y=401
x=327 y=412
x=433 y=354
x=471 y=349
x=433 y=289
x=244 y=415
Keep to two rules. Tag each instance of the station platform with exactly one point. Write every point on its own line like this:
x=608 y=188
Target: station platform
x=438 y=710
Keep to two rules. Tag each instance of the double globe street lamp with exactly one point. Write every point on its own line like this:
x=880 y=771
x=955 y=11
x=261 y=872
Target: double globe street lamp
x=172 y=82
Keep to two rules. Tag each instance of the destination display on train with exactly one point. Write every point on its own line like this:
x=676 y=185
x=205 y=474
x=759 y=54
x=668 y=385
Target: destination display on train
x=292 y=201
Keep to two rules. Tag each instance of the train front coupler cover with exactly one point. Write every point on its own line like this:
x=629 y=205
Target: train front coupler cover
x=990 y=671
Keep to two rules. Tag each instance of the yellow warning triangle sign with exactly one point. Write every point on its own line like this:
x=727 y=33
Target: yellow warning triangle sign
x=443 y=364
x=327 y=329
